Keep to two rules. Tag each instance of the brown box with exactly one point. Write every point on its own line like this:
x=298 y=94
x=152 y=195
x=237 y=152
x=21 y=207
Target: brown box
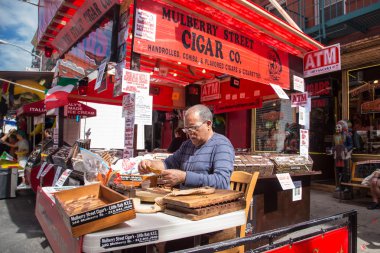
x=93 y=207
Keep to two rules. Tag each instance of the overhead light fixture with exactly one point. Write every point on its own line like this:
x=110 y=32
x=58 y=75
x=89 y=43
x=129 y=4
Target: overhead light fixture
x=179 y=63
x=203 y=71
x=151 y=73
x=175 y=74
x=376 y=81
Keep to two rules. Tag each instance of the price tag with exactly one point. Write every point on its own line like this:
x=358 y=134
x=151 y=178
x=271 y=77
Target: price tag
x=63 y=178
x=48 y=168
x=297 y=192
x=57 y=174
x=41 y=169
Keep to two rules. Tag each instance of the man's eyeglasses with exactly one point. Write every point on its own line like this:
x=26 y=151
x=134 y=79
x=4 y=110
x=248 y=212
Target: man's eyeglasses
x=193 y=128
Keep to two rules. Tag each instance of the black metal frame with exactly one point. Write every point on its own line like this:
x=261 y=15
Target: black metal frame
x=348 y=219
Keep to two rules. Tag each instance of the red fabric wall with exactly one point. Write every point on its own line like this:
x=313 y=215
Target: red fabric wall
x=238 y=128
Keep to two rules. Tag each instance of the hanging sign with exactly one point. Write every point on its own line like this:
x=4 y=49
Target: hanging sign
x=135 y=82
x=210 y=91
x=143 y=109
x=298 y=83
x=298 y=99
x=371 y=106
x=86 y=16
x=322 y=61
x=188 y=38
x=279 y=91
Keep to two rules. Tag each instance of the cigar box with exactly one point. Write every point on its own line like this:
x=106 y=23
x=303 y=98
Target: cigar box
x=93 y=207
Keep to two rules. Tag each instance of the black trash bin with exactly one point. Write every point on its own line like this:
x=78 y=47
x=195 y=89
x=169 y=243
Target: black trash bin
x=8 y=183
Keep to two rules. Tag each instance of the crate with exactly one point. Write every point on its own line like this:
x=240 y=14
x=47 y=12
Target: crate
x=93 y=207
x=253 y=163
x=292 y=164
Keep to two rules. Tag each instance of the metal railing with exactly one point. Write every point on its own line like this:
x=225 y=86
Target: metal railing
x=346 y=219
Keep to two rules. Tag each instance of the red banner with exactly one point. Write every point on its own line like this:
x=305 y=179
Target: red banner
x=86 y=16
x=168 y=32
x=335 y=241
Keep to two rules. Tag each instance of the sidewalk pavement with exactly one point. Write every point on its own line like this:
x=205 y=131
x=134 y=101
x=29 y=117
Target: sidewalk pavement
x=20 y=231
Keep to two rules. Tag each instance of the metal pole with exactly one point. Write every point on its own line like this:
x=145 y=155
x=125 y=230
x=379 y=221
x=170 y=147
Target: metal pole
x=26 y=50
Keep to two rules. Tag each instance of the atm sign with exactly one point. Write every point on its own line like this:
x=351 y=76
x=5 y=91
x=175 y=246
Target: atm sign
x=322 y=61
x=210 y=91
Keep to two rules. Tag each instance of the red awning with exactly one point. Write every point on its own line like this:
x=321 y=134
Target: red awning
x=73 y=109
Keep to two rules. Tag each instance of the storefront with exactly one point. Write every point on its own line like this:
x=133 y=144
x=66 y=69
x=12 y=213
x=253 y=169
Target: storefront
x=220 y=54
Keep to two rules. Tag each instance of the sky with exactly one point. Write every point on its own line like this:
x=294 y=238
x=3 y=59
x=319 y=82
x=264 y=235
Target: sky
x=18 y=23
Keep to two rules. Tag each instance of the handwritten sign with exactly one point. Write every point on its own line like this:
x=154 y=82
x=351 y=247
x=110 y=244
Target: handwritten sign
x=135 y=82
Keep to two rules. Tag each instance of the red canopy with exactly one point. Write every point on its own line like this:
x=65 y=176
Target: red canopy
x=71 y=110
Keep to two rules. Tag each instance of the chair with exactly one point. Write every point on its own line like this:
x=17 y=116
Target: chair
x=245 y=182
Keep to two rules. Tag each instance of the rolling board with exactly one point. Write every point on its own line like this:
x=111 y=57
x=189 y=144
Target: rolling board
x=198 y=200
x=204 y=212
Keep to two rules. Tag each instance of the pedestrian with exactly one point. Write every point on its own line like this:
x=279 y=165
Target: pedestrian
x=206 y=159
x=375 y=191
x=179 y=138
x=22 y=151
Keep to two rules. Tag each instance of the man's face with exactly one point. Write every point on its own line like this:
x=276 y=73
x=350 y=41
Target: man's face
x=197 y=130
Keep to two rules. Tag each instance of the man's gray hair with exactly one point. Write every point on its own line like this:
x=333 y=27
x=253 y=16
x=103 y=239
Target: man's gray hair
x=203 y=112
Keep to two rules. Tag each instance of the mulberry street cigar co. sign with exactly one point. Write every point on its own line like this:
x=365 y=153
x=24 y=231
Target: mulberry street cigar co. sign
x=168 y=32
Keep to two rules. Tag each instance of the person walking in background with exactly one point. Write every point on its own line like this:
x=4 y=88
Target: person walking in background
x=22 y=151
x=179 y=137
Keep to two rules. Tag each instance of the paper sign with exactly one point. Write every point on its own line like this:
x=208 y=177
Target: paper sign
x=297 y=192
x=99 y=79
x=304 y=142
x=301 y=115
x=285 y=181
x=145 y=25
x=135 y=82
x=298 y=83
x=143 y=110
x=128 y=110
x=279 y=91
x=63 y=177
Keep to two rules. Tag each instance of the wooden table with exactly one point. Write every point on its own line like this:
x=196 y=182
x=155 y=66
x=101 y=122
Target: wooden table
x=145 y=229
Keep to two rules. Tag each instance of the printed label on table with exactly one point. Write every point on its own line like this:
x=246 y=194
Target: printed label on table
x=41 y=169
x=297 y=192
x=131 y=178
x=128 y=239
x=101 y=212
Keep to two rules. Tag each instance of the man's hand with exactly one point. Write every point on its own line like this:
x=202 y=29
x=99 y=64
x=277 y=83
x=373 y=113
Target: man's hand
x=173 y=177
x=145 y=165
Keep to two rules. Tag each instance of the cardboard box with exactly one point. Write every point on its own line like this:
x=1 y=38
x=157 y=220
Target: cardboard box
x=93 y=207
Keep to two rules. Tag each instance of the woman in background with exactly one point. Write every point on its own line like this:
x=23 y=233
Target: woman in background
x=179 y=137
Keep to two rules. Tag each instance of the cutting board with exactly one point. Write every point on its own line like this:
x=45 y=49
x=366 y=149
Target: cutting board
x=197 y=200
x=149 y=195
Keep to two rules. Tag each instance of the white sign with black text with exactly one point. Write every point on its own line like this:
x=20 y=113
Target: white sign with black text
x=285 y=180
